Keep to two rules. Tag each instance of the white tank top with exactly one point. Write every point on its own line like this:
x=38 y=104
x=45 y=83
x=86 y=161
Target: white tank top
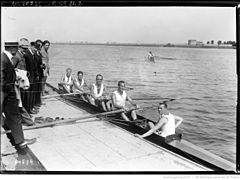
x=120 y=99
x=78 y=84
x=169 y=127
x=95 y=91
x=68 y=81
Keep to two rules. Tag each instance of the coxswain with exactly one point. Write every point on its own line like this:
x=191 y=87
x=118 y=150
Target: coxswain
x=119 y=98
x=99 y=95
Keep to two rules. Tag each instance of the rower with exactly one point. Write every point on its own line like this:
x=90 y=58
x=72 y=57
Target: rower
x=151 y=57
x=166 y=124
x=119 y=98
x=67 y=80
x=80 y=86
x=98 y=94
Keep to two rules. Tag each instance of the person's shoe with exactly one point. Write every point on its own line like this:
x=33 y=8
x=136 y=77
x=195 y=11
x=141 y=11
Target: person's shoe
x=25 y=143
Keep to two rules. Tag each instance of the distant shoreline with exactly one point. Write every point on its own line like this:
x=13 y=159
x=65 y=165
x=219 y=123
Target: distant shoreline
x=146 y=45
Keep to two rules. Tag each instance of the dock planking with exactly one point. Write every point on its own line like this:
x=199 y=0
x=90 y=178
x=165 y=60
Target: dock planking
x=97 y=146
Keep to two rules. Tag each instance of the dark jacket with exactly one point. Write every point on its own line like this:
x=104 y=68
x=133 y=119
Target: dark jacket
x=31 y=65
x=19 y=61
x=8 y=75
x=38 y=58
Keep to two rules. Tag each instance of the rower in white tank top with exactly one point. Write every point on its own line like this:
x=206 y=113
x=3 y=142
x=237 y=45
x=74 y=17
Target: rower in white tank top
x=68 y=82
x=78 y=84
x=166 y=124
x=169 y=127
x=95 y=90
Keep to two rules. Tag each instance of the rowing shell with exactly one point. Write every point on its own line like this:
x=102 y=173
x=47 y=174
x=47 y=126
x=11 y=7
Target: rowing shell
x=180 y=146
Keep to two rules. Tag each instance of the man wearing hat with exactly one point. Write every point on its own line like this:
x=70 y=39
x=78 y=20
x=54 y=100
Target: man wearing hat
x=18 y=59
x=19 y=63
x=9 y=102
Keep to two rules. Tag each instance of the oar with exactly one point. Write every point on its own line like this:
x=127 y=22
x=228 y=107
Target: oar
x=59 y=95
x=68 y=120
x=127 y=88
x=152 y=98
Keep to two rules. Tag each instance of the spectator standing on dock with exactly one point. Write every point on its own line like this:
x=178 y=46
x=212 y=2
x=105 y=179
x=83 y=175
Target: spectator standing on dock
x=80 y=86
x=19 y=63
x=166 y=124
x=99 y=94
x=119 y=98
x=67 y=80
x=9 y=102
x=31 y=67
x=40 y=69
x=45 y=60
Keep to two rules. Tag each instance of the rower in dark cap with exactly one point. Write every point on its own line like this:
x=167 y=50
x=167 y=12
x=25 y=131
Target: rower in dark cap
x=9 y=102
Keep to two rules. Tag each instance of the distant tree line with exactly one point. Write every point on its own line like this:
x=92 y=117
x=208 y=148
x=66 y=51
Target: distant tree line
x=233 y=43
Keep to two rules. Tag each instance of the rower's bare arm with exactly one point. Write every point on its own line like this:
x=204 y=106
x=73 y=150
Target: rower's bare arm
x=130 y=100
x=160 y=123
x=179 y=120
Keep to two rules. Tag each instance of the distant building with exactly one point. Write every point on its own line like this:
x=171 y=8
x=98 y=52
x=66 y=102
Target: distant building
x=199 y=43
x=192 y=42
x=195 y=43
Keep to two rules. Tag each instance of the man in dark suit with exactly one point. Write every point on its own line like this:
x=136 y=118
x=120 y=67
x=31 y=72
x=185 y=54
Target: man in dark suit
x=9 y=102
x=31 y=66
x=19 y=63
x=40 y=68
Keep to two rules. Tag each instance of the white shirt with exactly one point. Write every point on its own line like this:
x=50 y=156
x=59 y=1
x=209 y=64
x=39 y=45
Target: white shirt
x=95 y=91
x=68 y=80
x=169 y=127
x=9 y=55
x=30 y=51
x=120 y=98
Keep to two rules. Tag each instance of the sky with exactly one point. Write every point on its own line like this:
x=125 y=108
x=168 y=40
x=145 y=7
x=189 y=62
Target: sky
x=119 y=24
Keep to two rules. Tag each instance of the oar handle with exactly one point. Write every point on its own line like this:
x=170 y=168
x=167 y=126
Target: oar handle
x=59 y=95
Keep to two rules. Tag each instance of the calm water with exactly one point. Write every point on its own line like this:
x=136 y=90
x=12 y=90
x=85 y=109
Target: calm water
x=203 y=81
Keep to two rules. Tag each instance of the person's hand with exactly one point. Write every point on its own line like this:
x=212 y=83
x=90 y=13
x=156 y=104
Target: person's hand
x=137 y=106
x=100 y=98
x=126 y=109
x=138 y=135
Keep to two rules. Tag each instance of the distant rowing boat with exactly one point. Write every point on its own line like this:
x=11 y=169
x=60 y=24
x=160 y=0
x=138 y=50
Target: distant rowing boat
x=180 y=147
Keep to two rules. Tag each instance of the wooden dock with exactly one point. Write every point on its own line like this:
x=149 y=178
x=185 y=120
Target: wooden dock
x=94 y=145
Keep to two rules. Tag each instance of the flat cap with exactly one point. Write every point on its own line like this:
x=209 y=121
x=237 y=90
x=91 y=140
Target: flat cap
x=24 y=43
